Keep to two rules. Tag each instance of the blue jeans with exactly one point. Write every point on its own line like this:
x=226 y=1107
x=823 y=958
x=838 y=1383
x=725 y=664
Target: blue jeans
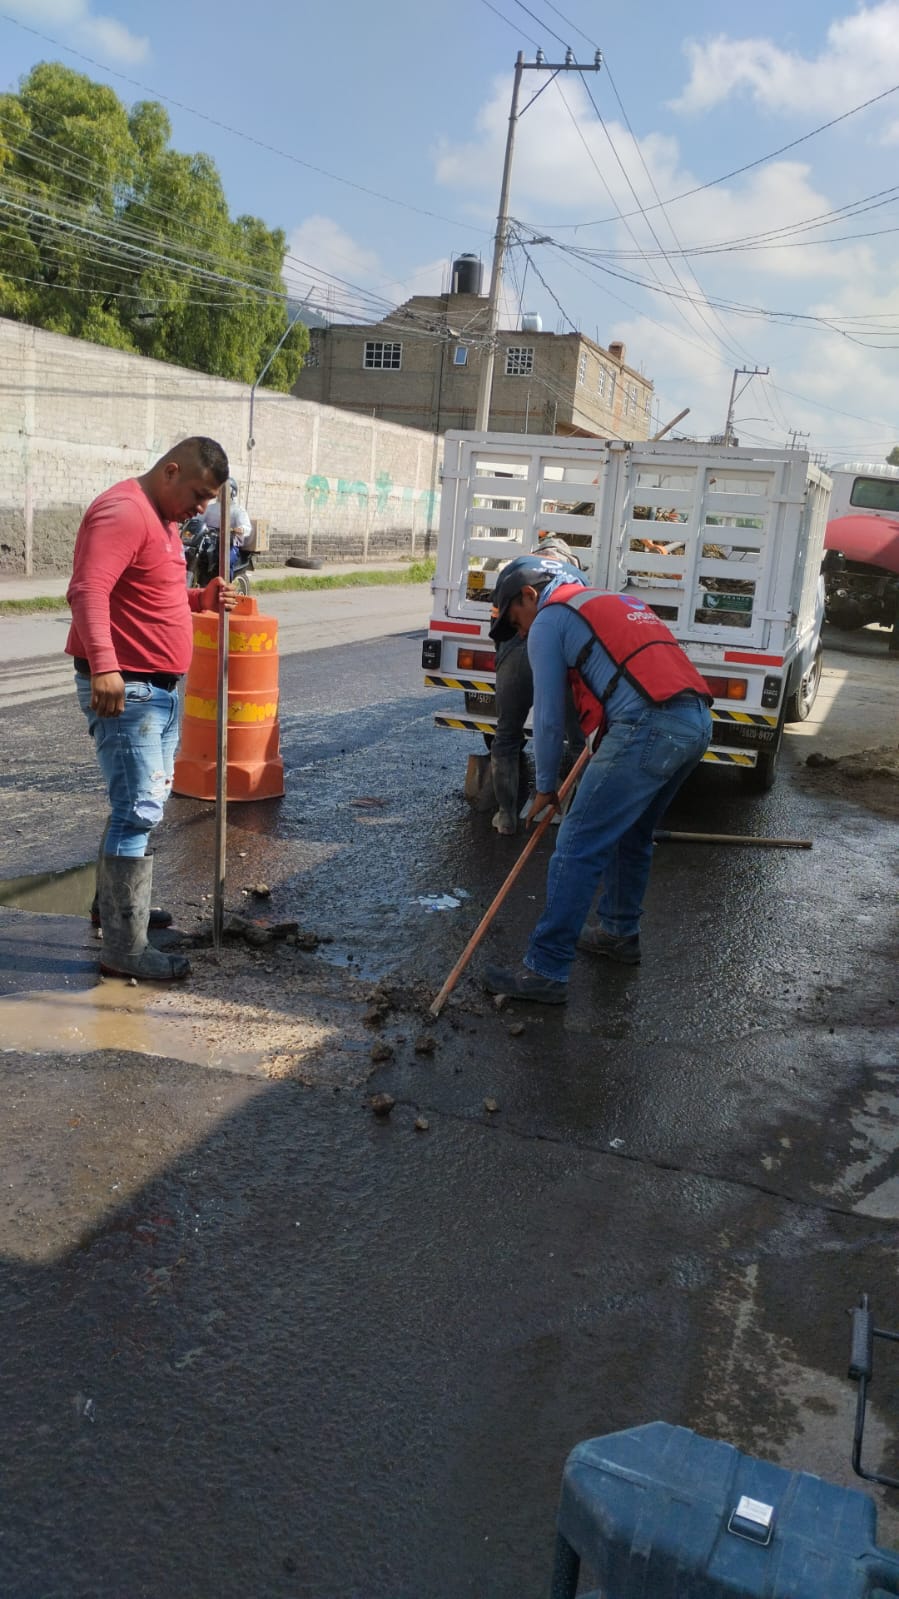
x=607 y=834
x=136 y=753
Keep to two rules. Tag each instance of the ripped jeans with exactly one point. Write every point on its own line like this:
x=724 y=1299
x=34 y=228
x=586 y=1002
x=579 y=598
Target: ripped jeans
x=136 y=753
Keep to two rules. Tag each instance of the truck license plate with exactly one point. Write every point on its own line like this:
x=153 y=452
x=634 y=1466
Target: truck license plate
x=480 y=702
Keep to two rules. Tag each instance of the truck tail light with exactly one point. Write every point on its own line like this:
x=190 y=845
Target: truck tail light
x=430 y=654
x=727 y=688
x=482 y=660
x=771 y=693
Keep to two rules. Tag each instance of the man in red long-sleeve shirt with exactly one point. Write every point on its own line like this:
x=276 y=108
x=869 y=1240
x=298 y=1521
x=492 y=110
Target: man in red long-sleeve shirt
x=132 y=639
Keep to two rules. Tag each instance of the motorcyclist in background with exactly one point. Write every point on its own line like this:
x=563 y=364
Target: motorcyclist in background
x=241 y=526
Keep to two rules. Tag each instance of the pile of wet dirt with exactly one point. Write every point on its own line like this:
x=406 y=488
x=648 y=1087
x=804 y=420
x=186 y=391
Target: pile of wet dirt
x=870 y=777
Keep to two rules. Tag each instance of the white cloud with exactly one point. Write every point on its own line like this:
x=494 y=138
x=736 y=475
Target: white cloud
x=326 y=246
x=859 y=59
x=689 y=348
x=553 y=169
x=75 y=17
x=320 y=251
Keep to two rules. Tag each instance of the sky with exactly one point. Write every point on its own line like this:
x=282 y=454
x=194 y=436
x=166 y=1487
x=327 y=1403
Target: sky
x=373 y=135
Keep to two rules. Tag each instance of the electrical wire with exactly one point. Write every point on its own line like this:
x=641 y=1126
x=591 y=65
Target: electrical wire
x=509 y=22
x=602 y=179
x=239 y=133
x=737 y=172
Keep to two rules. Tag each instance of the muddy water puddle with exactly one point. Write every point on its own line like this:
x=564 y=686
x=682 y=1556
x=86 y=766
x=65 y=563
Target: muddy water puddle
x=114 y=1016
x=52 y=893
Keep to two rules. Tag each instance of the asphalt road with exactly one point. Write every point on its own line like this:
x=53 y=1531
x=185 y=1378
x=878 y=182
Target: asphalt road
x=256 y=1341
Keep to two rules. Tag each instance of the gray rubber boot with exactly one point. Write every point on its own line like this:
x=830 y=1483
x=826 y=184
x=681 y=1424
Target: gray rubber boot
x=124 y=886
x=158 y=918
x=504 y=770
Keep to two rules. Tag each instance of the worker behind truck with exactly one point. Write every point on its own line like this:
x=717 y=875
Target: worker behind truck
x=646 y=704
x=514 y=698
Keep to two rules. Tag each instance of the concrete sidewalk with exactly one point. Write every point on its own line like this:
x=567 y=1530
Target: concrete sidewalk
x=40 y=588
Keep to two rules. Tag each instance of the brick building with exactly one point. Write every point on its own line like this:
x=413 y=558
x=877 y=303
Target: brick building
x=420 y=366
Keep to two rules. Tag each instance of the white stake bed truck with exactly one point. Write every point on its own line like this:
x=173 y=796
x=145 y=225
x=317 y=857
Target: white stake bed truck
x=724 y=543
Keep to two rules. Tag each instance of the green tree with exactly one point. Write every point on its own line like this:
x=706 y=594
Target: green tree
x=893 y=457
x=108 y=234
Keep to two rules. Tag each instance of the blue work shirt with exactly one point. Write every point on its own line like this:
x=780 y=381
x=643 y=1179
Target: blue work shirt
x=555 y=641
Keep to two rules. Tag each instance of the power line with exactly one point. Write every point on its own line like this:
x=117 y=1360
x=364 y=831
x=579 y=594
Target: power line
x=602 y=179
x=737 y=172
x=670 y=225
x=239 y=133
x=509 y=22
x=539 y=21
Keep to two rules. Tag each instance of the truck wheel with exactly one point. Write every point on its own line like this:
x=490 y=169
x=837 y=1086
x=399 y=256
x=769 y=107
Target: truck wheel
x=803 y=698
x=760 y=777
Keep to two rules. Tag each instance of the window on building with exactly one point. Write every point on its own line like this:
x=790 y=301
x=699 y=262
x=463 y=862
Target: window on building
x=647 y=403
x=633 y=399
x=601 y=381
x=460 y=355
x=612 y=385
x=582 y=367
x=382 y=357
x=519 y=360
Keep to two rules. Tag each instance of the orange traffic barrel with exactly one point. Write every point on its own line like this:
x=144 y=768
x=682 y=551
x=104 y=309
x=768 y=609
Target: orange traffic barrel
x=255 y=767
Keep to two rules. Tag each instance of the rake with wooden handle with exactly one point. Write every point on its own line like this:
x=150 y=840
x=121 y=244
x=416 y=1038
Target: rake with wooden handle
x=661 y=836
x=496 y=902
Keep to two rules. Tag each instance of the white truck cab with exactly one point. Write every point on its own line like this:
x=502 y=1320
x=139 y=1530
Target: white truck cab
x=724 y=543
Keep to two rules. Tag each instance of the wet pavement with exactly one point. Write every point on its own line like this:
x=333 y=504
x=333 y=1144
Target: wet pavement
x=259 y=1341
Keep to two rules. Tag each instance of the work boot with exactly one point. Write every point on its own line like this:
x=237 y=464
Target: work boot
x=124 y=887
x=157 y=918
x=505 y=772
x=522 y=983
x=595 y=939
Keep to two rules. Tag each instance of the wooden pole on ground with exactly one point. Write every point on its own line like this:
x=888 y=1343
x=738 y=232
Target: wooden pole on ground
x=221 y=753
x=495 y=904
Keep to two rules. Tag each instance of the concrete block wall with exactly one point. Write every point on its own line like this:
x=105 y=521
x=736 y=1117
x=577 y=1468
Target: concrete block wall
x=76 y=417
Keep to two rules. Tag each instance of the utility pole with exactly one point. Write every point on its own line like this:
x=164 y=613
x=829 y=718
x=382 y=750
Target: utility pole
x=749 y=372
x=795 y=434
x=540 y=64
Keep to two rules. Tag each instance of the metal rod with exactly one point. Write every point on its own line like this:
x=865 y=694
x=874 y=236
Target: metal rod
x=663 y=836
x=669 y=425
x=496 y=902
x=221 y=750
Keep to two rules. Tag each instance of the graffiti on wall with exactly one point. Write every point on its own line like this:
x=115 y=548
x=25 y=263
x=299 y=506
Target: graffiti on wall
x=323 y=491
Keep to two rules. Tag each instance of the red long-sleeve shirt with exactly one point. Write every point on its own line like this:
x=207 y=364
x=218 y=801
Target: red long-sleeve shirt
x=131 y=607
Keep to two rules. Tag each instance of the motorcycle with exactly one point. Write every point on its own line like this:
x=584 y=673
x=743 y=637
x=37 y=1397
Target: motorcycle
x=201 y=554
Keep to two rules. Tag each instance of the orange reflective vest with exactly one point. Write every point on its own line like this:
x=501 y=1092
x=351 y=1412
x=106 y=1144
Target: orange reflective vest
x=644 y=650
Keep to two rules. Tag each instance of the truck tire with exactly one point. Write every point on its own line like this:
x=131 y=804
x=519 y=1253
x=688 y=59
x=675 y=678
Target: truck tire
x=802 y=699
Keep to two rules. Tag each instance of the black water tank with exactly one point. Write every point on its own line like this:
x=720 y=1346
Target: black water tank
x=468 y=275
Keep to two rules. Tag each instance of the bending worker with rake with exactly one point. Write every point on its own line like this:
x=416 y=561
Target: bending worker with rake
x=647 y=709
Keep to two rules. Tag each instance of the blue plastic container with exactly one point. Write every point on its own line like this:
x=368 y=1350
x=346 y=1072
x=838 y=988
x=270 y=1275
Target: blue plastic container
x=660 y=1513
